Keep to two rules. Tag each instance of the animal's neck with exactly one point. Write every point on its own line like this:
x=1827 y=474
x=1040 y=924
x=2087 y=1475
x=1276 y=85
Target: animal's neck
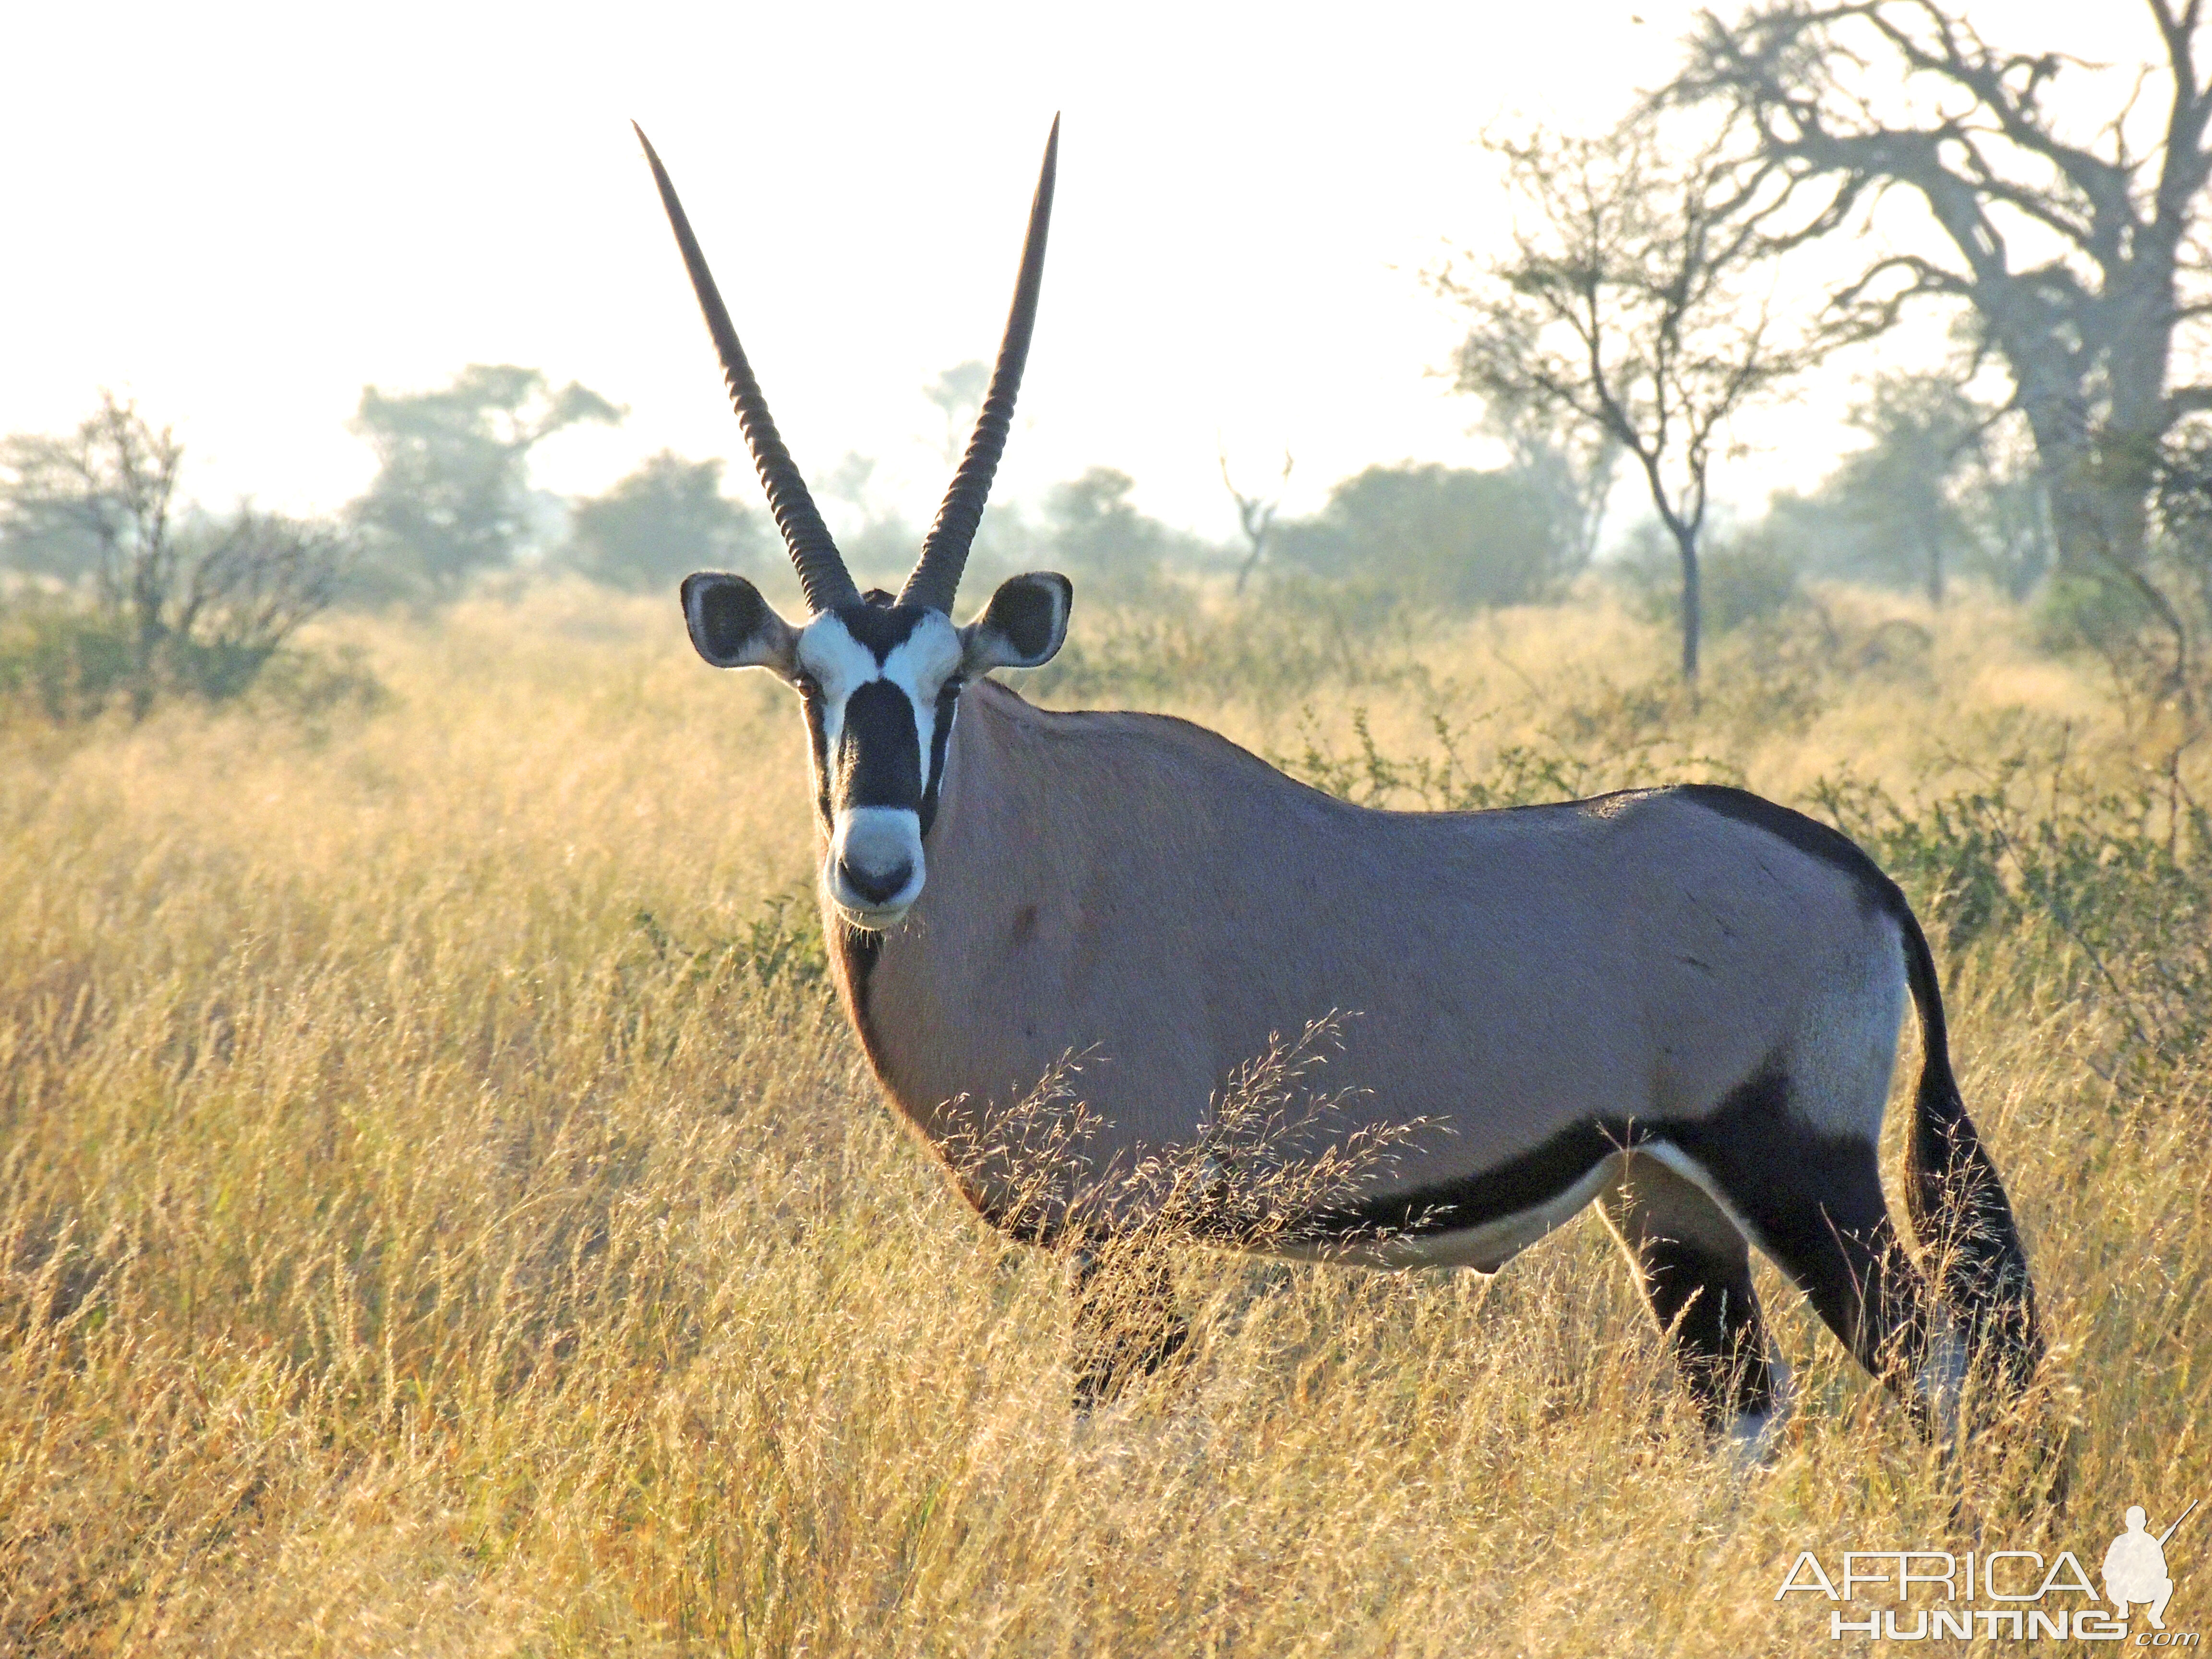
x=990 y=844
x=917 y=995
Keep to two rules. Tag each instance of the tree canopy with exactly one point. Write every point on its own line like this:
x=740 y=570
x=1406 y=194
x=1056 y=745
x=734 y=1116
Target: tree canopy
x=1450 y=538
x=665 y=520
x=2067 y=228
x=451 y=496
x=1623 y=306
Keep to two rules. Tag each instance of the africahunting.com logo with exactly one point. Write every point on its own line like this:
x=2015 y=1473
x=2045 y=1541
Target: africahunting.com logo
x=1936 y=1594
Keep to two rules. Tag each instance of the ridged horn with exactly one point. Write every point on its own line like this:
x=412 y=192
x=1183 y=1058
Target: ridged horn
x=936 y=577
x=821 y=572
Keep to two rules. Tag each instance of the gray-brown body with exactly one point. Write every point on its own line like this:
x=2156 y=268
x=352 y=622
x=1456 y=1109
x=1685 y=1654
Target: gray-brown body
x=1142 y=895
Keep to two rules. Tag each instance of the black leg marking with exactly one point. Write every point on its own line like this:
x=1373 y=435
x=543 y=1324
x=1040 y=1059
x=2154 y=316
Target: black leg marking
x=1957 y=1201
x=1706 y=1303
x=1123 y=1318
x=1694 y=1269
x=1815 y=1205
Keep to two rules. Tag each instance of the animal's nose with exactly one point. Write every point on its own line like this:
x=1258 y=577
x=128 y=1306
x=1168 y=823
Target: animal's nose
x=877 y=886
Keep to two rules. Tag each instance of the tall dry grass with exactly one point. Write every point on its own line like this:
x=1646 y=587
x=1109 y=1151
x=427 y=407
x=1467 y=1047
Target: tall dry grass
x=441 y=1213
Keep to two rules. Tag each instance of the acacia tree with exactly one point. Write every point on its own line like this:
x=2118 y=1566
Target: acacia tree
x=665 y=520
x=1256 y=515
x=185 y=600
x=2074 y=239
x=1628 y=303
x=958 y=394
x=451 y=496
x=1901 y=487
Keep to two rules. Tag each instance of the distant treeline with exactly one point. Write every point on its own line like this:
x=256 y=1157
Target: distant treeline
x=97 y=528
x=1935 y=492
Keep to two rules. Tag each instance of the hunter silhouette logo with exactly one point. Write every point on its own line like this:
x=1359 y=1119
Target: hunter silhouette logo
x=2135 y=1566
x=1999 y=1595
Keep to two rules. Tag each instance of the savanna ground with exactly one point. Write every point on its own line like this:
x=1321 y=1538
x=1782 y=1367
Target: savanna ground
x=440 y=1210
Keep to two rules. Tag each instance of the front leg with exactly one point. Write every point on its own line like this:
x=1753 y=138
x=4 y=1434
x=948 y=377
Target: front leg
x=1121 y=1317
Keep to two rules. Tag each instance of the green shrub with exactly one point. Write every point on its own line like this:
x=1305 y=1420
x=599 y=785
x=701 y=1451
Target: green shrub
x=2118 y=882
x=1518 y=774
x=1747 y=583
x=781 y=945
x=2079 y=611
x=69 y=662
x=1270 y=649
x=73 y=662
x=1742 y=583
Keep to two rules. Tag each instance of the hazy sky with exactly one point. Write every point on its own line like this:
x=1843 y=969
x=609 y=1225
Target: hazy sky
x=242 y=214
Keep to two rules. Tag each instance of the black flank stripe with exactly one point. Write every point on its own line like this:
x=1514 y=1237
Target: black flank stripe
x=1780 y=1174
x=1514 y=1188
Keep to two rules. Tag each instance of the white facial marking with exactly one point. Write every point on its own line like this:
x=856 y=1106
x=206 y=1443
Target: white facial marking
x=878 y=842
x=920 y=666
x=871 y=843
x=839 y=664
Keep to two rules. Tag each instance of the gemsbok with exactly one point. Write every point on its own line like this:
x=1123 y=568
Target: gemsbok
x=1682 y=1003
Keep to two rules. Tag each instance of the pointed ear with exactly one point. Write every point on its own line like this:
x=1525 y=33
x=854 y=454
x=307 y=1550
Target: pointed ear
x=1022 y=627
x=732 y=626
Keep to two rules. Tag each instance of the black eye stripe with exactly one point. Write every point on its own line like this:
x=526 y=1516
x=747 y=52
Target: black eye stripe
x=948 y=706
x=817 y=737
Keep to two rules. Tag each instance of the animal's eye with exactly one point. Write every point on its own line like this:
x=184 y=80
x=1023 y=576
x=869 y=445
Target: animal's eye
x=808 y=687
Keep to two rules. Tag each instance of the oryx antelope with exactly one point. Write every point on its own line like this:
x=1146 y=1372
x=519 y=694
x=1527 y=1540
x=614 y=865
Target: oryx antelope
x=1682 y=1003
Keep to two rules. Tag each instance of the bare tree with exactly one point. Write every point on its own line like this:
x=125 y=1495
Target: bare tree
x=202 y=604
x=1625 y=304
x=2076 y=243
x=1255 y=514
x=247 y=583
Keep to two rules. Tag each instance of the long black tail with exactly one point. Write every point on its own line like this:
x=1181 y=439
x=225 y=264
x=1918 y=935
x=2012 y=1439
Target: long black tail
x=1956 y=1199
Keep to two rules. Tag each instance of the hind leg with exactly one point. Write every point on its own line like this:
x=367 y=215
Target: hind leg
x=1694 y=1269
x=1812 y=1202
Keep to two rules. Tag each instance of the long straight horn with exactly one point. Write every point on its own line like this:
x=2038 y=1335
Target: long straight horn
x=821 y=572
x=936 y=577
